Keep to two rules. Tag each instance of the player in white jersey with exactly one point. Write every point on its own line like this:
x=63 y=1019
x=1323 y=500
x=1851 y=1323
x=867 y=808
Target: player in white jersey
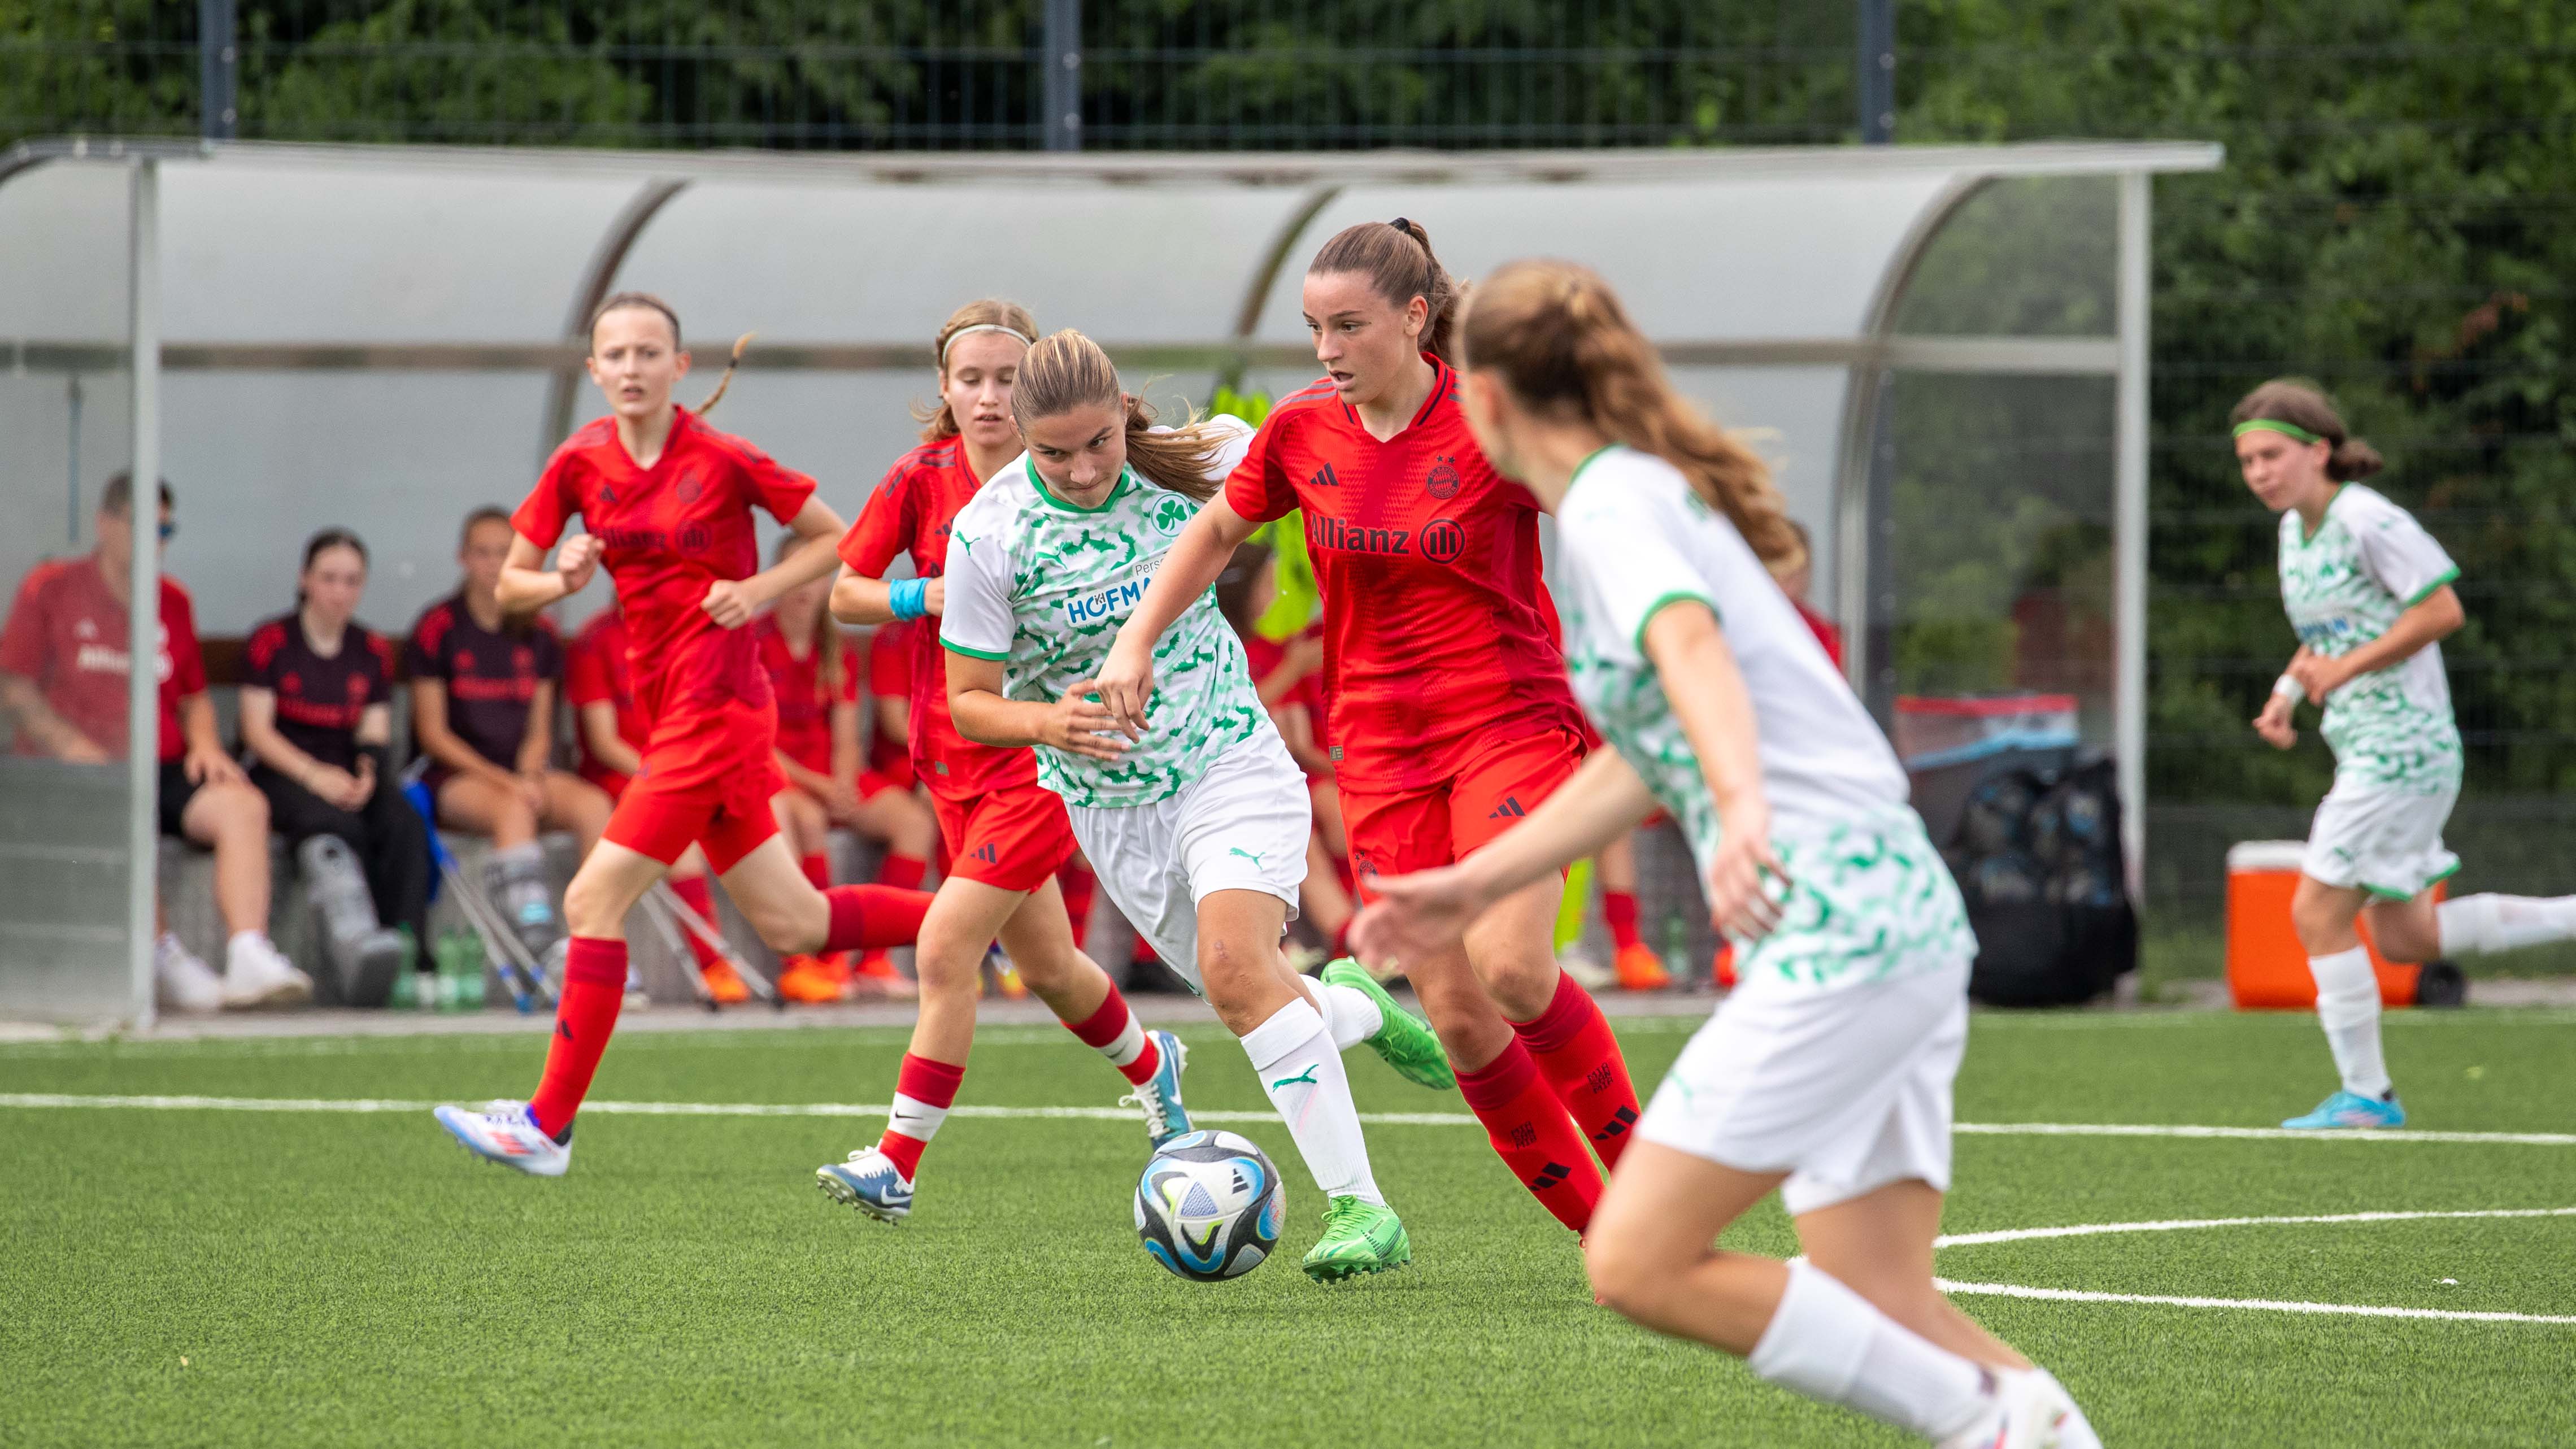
x=1197 y=823
x=1827 y=1073
x=2369 y=592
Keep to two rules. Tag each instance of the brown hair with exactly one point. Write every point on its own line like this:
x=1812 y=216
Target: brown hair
x=321 y=543
x=827 y=633
x=652 y=303
x=2303 y=404
x=118 y=495
x=1564 y=346
x=488 y=513
x=937 y=422
x=1397 y=259
x=1065 y=370
x=1234 y=585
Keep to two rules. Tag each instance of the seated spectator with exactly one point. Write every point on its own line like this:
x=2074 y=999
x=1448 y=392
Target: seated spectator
x=890 y=697
x=611 y=732
x=482 y=713
x=63 y=676
x=817 y=687
x=1289 y=678
x=316 y=716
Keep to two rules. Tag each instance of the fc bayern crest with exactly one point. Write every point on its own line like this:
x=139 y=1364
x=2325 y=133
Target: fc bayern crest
x=689 y=488
x=1443 y=479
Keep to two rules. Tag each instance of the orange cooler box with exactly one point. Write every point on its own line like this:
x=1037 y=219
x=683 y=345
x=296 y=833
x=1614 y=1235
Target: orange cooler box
x=2266 y=968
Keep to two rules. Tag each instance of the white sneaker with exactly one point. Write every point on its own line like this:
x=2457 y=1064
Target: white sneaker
x=2077 y=1431
x=506 y=1132
x=1589 y=974
x=2027 y=1411
x=257 y=974
x=185 y=981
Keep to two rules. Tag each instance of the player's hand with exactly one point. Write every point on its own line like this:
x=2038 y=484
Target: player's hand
x=729 y=603
x=531 y=785
x=576 y=561
x=206 y=766
x=840 y=799
x=2320 y=675
x=1414 y=918
x=1126 y=682
x=337 y=788
x=1746 y=883
x=934 y=598
x=1079 y=724
x=2273 y=724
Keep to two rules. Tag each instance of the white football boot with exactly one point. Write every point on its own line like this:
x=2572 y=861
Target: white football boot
x=2026 y=1411
x=506 y=1132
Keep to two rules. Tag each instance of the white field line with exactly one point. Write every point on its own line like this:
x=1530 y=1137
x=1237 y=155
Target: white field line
x=2267 y=1305
x=1123 y=1114
x=2178 y=1225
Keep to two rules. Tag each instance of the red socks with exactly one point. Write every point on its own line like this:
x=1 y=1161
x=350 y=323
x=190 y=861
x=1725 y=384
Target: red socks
x=924 y=1090
x=865 y=917
x=1619 y=913
x=902 y=872
x=594 y=989
x=693 y=894
x=1079 y=887
x=1533 y=1136
x=1116 y=1034
x=1573 y=1047
x=818 y=869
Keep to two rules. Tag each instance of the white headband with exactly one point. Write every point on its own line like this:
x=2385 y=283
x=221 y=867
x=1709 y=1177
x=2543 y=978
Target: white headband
x=981 y=327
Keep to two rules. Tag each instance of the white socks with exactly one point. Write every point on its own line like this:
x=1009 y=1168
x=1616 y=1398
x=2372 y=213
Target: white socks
x=1301 y=1068
x=2348 y=1008
x=2477 y=925
x=1348 y=1013
x=1829 y=1343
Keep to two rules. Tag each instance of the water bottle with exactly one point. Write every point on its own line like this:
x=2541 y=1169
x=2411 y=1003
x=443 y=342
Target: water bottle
x=1677 y=952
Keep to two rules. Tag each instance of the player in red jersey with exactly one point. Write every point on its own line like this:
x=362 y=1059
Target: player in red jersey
x=611 y=732
x=1006 y=835
x=1289 y=679
x=1447 y=713
x=816 y=680
x=669 y=503
x=890 y=696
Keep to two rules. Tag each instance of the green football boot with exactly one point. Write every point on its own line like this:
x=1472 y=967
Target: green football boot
x=1359 y=1237
x=1405 y=1040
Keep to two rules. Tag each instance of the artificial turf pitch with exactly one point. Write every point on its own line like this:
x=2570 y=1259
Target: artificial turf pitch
x=198 y=1276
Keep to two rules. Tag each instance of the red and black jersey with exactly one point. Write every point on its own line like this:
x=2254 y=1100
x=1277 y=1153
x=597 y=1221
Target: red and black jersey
x=491 y=675
x=67 y=635
x=1435 y=616
x=890 y=677
x=667 y=533
x=804 y=705
x=321 y=697
x=910 y=513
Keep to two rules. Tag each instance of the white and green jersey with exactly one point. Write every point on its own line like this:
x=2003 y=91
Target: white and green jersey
x=2369 y=562
x=1042 y=586
x=1868 y=897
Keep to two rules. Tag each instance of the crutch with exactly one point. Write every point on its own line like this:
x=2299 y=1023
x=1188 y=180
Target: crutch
x=518 y=970
x=677 y=944
x=670 y=903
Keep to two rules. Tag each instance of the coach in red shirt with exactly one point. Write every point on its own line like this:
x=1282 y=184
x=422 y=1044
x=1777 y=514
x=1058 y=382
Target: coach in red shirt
x=64 y=667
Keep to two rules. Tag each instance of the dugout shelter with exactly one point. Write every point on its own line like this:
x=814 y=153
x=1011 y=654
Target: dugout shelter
x=1942 y=349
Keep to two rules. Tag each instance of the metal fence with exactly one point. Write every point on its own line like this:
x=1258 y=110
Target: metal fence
x=2394 y=223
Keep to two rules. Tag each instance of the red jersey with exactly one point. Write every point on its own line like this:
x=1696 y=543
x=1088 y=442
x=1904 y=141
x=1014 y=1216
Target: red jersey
x=67 y=635
x=1827 y=632
x=1435 y=617
x=666 y=533
x=595 y=673
x=910 y=513
x=804 y=713
x=1263 y=657
x=890 y=677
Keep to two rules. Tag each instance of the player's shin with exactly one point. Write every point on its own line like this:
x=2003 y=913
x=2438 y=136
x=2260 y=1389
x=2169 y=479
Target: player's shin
x=1531 y=1133
x=1301 y=1070
x=594 y=988
x=1826 y=1342
x=865 y=917
x=1575 y=1050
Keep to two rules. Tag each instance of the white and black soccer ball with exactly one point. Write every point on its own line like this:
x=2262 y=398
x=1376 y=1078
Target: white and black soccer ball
x=1209 y=1206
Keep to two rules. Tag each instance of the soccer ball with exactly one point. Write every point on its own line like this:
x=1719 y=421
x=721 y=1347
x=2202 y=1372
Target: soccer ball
x=1209 y=1206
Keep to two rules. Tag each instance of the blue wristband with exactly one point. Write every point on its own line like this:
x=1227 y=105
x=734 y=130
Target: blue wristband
x=908 y=598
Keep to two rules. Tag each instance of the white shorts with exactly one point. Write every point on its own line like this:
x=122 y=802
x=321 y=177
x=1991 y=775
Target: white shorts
x=1845 y=1090
x=2381 y=839
x=1242 y=826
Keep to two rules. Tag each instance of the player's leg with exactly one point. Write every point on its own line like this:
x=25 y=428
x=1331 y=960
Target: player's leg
x=514 y=875
x=689 y=882
x=804 y=828
x=1513 y=946
x=896 y=818
x=1321 y=899
x=573 y=803
x=1880 y=1245
x=231 y=819
x=1524 y=1122
x=2347 y=1006
x=1637 y=965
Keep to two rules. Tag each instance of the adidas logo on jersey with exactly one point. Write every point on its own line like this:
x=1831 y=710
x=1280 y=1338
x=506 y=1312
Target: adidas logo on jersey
x=1510 y=809
x=987 y=854
x=1324 y=478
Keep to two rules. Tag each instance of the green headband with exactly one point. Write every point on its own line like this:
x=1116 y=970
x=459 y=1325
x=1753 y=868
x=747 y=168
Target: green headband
x=2275 y=425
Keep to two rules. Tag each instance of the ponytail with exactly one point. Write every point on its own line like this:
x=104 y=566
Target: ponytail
x=2304 y=406
x=740 y=345
x=1565 y=347
x=1397 y=259
x=990 y=314
x=1067 y=370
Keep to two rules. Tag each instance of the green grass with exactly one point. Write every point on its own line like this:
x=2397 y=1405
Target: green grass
x=195 y=1277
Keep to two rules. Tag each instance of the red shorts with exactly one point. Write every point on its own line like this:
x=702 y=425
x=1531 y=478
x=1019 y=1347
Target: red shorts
x=1400 y=833
x=612 y=781
x=705 y=780
x=1015 y=838
x=869 y=786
